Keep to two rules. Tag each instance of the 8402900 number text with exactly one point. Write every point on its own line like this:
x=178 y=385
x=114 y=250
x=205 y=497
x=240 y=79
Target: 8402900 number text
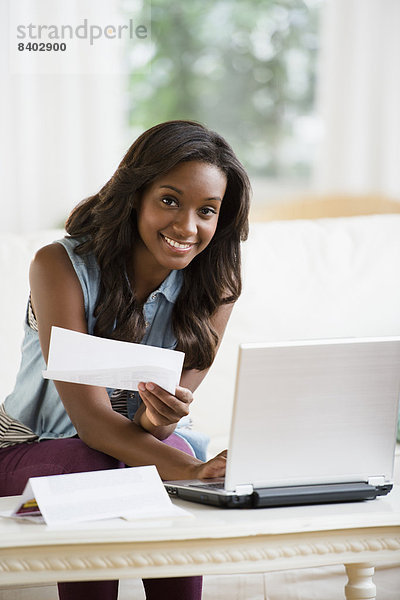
x=42 y=47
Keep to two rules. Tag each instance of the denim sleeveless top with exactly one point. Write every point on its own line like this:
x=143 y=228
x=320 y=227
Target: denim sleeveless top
x=36 y=403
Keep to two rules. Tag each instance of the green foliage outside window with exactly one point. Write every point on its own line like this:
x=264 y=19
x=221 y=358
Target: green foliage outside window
x=243 y=67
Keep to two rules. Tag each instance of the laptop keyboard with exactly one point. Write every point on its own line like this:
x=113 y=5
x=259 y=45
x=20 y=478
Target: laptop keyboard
x=214 y=486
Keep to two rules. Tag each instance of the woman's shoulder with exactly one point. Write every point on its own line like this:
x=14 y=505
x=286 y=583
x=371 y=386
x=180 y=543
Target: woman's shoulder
x=50 y=266
x=50 y=255
x=61 y=254
x=57 y=273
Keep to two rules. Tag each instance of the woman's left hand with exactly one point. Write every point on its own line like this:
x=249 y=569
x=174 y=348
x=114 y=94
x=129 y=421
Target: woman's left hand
x=163 y=408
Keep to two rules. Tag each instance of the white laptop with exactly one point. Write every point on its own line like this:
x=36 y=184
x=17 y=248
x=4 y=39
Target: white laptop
x=313 y=421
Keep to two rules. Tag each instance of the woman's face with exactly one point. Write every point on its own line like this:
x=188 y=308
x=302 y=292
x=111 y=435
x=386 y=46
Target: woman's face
x=178 y=215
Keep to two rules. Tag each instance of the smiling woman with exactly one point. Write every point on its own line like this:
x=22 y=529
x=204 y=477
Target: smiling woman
x=127 y=221
x=153 y=257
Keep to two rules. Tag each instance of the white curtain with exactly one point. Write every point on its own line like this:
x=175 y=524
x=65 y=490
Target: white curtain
x=359 y=98
x=62 y=135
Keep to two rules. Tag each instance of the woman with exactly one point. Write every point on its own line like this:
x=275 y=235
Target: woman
x=154 y=257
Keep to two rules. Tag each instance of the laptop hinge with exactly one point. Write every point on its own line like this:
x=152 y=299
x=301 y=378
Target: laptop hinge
x=376 y=481
x=244 y=490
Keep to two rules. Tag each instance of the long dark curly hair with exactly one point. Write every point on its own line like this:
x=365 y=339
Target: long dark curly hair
x=107 y=222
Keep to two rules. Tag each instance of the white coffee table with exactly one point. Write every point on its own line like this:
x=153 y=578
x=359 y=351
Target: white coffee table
x=211 y=541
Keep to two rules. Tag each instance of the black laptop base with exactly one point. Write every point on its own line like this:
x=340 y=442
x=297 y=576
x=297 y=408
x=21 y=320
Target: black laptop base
x=318 y=494
x=282 y=496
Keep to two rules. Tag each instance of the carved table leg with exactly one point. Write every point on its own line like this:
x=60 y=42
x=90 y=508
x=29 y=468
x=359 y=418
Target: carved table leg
x=360 y=585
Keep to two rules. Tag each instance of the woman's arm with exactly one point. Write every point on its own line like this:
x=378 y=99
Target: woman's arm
x=160 y=410
x=57 y=299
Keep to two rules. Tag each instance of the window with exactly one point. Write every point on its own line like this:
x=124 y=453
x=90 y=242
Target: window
x=246 y=68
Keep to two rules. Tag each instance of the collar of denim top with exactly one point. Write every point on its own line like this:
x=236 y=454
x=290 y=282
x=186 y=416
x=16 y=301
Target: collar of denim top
x=170 y=288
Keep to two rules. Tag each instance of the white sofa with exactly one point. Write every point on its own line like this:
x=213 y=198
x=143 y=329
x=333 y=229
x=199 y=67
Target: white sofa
x=302 y=279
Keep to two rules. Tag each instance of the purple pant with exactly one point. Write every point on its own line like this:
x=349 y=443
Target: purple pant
x=55 y=457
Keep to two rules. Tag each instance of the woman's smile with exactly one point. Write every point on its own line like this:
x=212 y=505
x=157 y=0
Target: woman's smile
x=177 y=246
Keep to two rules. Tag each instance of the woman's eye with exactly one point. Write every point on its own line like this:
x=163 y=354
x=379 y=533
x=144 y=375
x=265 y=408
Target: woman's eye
x=169 y=201
x=207 y=211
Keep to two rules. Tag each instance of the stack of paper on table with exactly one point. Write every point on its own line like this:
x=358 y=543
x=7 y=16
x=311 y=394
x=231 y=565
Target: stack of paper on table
x=131 y=493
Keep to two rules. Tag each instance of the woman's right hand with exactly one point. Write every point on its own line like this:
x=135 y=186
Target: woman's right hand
x=215 y=467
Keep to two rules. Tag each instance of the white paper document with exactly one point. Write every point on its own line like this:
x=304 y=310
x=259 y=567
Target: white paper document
x=81 y=358
x=131 y=493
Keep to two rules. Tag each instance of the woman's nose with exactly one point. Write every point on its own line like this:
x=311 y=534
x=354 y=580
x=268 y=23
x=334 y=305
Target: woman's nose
x=185 y=225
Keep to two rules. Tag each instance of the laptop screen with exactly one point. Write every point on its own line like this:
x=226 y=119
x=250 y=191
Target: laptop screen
x=321 y=411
